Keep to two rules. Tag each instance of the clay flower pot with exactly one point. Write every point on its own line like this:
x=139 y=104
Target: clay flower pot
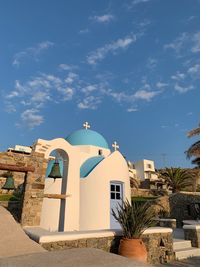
x=133 y=249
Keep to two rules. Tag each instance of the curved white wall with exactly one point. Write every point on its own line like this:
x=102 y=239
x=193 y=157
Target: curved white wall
x=95 y=192
x=51 y=207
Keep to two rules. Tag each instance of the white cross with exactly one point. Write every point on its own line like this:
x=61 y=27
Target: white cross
x=86 y=125
x=115 y=146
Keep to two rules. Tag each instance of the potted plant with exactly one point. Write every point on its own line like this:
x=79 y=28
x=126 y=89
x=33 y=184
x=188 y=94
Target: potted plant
x=134 y=219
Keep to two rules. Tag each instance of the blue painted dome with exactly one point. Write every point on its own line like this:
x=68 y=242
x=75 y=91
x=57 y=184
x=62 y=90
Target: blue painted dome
x=87 y=137
x=89 y=165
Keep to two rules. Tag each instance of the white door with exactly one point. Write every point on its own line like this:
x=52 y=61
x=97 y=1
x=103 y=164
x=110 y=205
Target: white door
x=116 y=196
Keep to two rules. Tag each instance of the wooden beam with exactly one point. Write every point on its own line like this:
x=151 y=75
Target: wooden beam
x=15 y=168
x=56 y=196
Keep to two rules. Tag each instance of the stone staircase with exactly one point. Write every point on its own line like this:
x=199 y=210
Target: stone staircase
x=183 y=248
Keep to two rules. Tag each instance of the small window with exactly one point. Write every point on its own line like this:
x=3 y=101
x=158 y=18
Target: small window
x=117 y=195
x=149 y=166
x=112 y=187
x=112 y=195
x=117 y=188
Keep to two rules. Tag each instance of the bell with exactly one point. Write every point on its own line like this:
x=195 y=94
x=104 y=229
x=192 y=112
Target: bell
x=55 y=171
x=9 y=184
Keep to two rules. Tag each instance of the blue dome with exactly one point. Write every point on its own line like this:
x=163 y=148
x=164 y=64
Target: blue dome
x=89 y=165
x=87 y=137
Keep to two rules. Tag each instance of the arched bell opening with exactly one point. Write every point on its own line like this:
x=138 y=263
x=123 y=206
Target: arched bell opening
x=54 y=203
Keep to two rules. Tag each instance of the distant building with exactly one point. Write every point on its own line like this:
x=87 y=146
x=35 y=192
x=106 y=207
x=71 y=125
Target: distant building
x=144 y=172
x=20 y=149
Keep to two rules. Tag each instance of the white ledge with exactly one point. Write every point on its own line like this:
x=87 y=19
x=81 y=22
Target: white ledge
x=192 y=226
x=156 y=230
x=167 y=220
x=41 y=235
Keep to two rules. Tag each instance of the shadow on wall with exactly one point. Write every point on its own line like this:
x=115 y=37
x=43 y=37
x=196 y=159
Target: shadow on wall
x=184 y=206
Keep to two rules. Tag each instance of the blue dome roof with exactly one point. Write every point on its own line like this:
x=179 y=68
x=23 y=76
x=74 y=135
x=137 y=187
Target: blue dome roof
x=86 y=137
x=89 y=165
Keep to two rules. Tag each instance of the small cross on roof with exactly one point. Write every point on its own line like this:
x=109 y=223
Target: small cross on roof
x=86 y=125
x=115 y=146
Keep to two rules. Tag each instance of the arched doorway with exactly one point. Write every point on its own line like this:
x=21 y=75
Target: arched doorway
x=53 y=209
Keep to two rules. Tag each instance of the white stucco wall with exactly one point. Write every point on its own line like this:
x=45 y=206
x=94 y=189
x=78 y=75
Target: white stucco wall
x=87 y=152
x=95 y=192
x=72 y=206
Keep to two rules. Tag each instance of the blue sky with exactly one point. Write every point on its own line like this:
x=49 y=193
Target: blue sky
x=131 y=68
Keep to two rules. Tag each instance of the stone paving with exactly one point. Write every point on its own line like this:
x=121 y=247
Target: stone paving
x=191 y=262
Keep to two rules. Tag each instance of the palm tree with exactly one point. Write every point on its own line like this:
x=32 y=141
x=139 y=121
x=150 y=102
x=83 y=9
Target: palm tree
x=177 y=178
x=194 y=150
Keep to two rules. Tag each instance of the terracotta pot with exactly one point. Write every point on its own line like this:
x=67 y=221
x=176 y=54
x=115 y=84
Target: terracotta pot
x=133 y=249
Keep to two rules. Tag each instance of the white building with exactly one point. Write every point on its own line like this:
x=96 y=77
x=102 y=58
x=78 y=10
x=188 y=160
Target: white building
x=145 y=169
x=95 y=179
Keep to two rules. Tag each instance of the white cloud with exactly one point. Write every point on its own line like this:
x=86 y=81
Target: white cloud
x=194 y=71
x=101 y=52
x=132 y=109
x=89 y=89
x=31 y=118
x=90 y=102
x=178 y=43
x=161 y=85
x=178 y=76
x=67 y=67
x=183 y=89
x=145 y=95
x=196 y=42
x=103 y=18
x=71 y=77
x=67 y=93
x=136 y=2
x=31 y=52
x=84 y=31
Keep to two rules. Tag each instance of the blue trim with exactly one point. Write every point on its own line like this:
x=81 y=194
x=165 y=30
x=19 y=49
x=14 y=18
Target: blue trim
x=86 y=137
x=89 y=165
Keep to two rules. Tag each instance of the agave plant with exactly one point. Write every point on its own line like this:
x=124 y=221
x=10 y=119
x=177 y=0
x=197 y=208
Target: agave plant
x=135 y=218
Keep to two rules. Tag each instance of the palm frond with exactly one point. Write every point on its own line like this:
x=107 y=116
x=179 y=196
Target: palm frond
x=193 y=132
x=194 y=150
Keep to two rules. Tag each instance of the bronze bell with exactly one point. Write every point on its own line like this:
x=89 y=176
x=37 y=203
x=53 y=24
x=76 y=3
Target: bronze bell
x=9 y=184
x=55 y=171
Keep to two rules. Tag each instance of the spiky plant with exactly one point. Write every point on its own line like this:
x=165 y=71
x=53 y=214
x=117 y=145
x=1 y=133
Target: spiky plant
x=177 y=178
x=135 y=218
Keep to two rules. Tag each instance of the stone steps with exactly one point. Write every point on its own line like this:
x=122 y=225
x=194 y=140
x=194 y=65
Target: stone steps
x=185 y=253
x=183 y=249
x=181 y=244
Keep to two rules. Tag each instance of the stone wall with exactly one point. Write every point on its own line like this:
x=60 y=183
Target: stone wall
x=29 y=210
x=192 y=233
x=182 y=206
x=159 y=245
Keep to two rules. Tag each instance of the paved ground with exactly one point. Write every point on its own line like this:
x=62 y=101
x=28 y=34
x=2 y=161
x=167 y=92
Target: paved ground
x=13 y=240
x=192 y=262
x=84 y=257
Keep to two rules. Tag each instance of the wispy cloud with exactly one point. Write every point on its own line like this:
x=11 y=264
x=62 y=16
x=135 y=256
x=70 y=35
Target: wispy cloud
x=151 y=63
x=134 y=3
x=183 y=89
x=31 y=118
x=161 y=85
x=185 y=43
x=90 y=102
x=194 y=71
x=31 y=52
x=103 y=18
x=178 y=76
x=67 y=67
x=132 y=109
x=101 y=53
x=145 y=95
x=84 y=31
